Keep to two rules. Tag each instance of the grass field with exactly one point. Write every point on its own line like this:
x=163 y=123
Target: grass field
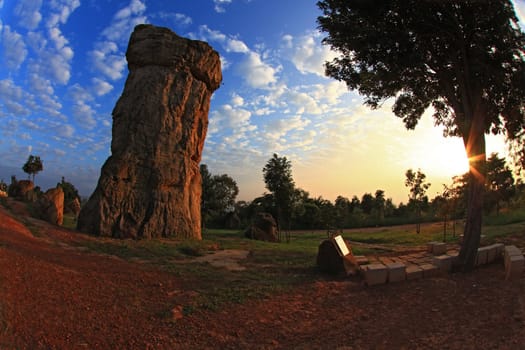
x=275 y=267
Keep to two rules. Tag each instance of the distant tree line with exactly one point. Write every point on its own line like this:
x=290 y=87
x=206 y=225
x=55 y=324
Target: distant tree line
x=294 y=208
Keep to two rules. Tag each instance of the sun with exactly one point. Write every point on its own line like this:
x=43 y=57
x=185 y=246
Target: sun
x=445 y=158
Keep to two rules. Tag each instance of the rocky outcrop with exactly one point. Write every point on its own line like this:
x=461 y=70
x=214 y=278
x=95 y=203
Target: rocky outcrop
x=264 y=228
x=21 y=189
x=150 y=186
x=50 y=206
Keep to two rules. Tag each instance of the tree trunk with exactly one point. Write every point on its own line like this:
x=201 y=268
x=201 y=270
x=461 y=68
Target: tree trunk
x=475 y=146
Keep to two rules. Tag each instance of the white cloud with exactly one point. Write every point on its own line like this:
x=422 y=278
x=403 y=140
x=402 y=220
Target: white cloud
x=107 y=59
x=125 y=20
x=307 y=53
x=177 y=18
x=106 y=56
x=65 y=131
x=278 y=128
x=12 y=97
x=14 y=48
x=219 y=5
x=62 y=10
x=84 y=115
x=101 y=87
x=255 y=72
x=28 y=11
x=237 y=101
x=234 y=45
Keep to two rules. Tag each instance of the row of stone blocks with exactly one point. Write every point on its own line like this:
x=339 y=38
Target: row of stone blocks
x=378 y=273
x=396 y=272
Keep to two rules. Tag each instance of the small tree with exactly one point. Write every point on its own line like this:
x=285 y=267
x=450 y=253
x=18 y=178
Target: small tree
x=415 y=181
x=33 y=166
x=70 y=191
x=278 y=179
x=218 y=195
x=500 y=182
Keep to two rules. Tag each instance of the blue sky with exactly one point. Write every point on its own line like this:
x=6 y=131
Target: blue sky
x=63 y=69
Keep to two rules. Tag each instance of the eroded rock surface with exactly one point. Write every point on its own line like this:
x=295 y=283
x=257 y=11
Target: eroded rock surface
x=50 y=206
x=150 y=186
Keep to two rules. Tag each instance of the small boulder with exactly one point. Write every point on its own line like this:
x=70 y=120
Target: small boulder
x=50 y=206
x=264 y=228
x=330 y=258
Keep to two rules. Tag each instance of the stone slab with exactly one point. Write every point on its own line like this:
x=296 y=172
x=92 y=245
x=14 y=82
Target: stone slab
x=413 y=272
x=509 y=251
x=494 y=252
x=482 y=256
x=436 y=248
x=515 y=266
x=375 y=274
x=396 y=272
x=444 y=262
x=429 y=270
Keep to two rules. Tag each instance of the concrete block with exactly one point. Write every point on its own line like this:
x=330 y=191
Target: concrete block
x=494 y=252
x=515 y=266
x=444 y=262
x=396 y=272
x=429 y=270
x=482 y=256
x=430 y=246
x=413 y=272
x=436 y=248
x=375 y=274
x=509 y=251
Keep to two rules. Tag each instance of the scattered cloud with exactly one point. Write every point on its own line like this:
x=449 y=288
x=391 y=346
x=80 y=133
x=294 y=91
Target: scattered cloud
x=307 y=53
x=177 y=18
x=101 y=87
x=14 y=48
x=28 y=12
x=255 y=72
x=220 y=5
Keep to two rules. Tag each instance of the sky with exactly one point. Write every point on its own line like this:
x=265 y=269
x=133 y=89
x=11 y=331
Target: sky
x=63 y=68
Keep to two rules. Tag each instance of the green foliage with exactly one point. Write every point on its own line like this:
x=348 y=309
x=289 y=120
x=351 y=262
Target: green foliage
x=70 y=191
x=3 y=186
x=499 y=182
x=278 y=180
x=33 y=166
x=218 y=196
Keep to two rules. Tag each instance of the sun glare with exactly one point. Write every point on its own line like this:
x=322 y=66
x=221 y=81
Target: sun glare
x=446 y=159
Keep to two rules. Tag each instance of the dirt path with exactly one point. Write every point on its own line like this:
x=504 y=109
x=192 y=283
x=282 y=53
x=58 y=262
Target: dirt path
x=53 y=296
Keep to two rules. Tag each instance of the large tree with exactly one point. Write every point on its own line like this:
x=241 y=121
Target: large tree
x=278 y=179
x=466 y=59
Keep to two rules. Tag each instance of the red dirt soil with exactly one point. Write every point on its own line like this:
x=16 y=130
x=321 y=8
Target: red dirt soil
x=56 y=296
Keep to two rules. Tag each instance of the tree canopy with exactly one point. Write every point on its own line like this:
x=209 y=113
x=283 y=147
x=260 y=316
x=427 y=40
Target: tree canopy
x=463 y=58
x=33 y=166
x=278 y=179
x=218 y=194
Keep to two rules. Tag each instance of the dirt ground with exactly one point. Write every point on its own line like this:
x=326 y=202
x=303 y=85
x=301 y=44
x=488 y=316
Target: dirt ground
x=54 y=296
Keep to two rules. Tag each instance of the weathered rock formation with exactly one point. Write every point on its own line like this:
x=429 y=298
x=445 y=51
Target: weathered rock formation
x=21 y=189
x=50 y=206
x=151 y=186
x=263 y=228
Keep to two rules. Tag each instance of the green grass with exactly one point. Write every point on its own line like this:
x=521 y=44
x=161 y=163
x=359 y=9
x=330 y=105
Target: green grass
x=271 y=268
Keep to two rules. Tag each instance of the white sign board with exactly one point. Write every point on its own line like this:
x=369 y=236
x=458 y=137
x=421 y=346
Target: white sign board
x=341 y=245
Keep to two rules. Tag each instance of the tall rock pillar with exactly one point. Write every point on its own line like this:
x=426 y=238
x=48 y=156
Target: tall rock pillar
x=150 y=186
